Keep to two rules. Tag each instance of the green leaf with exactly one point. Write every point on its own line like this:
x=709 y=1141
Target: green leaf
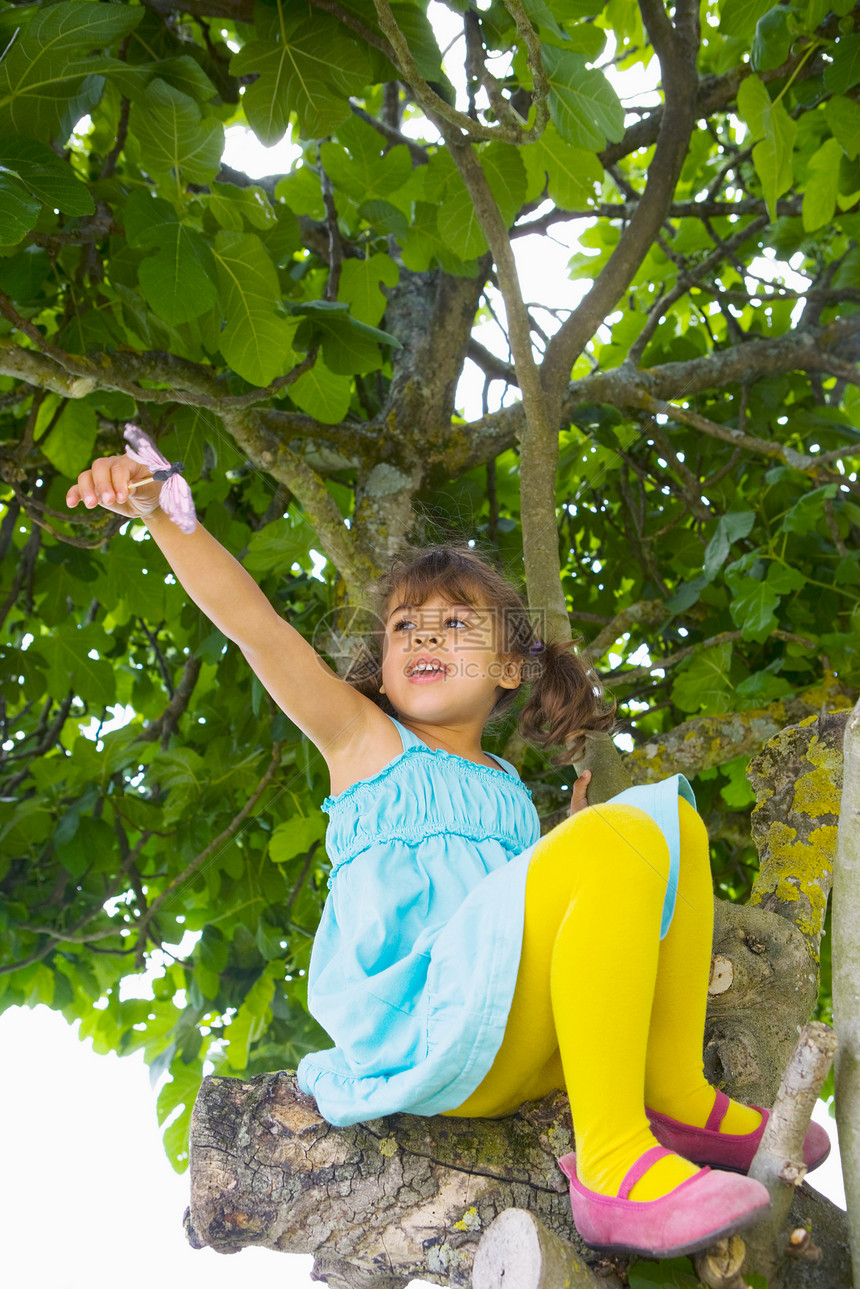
x=423 y=245
x=275 y=547
x=822 y=185
x=295 y=837
x=753 y=104
x=184 y=73
x=256 y=342
x=773 y=36
x=506 y=176
x=23 y=275
x=730 y=527
x=69 y=665
x=360 y=286
x=178 y=281
x=740 y=17
x=686 y=595
x=459 y=225
x=844 y=71
x=47 y=177
x=180 y=1091
x=843 y=117
x=233 y=207
x=773 y=158
x=583 y=105
x=752 y=608
x=349 y=346
x=174 y=136
x=784 y=578
x=53 y=59
x=252 y=1018
x=176 y=1137
x=668 y=1273
x=570 y=174
x=763 y=687
x=302 y=192
x=737 y=793
x=806 y=513
x=306 y=64
x=322 y=393
x=18 y=209
x=70 y=444
x=362 y=171
x=703 y=682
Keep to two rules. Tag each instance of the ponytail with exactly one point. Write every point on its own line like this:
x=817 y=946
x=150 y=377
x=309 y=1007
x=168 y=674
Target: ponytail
x=566 y=703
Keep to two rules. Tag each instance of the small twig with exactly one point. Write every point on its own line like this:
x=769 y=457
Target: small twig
x=335 y=241
x=778 y=1163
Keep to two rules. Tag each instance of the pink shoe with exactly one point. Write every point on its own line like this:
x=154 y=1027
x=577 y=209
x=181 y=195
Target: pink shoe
x=733 y=1152
x=700 y=1211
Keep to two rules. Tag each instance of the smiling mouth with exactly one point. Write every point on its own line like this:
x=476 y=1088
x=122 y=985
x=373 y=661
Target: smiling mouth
x=421 y=675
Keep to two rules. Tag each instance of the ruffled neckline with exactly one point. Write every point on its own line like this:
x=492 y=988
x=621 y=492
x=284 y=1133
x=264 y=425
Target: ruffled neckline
x=423 y=749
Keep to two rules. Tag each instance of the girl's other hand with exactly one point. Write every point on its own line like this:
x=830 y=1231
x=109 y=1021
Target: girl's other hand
x=106 y=484
x=577 y=800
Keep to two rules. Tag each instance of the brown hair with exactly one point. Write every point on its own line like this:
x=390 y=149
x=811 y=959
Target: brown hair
x=565 y=702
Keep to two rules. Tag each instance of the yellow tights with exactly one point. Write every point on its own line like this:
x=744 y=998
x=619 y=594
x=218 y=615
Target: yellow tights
x=602 y=1006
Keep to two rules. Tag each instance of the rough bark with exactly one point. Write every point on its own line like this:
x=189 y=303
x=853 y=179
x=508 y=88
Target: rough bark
x=707 y=741
x=377 y=1203
x=763 y=989
x=846 y=982
x=797 y=779
x=381 y=1203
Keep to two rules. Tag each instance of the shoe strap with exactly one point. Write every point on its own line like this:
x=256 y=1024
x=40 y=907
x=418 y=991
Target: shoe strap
x=718 y=1113
x=640 y=1168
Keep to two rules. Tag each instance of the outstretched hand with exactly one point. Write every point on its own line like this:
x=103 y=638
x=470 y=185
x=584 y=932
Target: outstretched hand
x=106 y=484
x=577 y=799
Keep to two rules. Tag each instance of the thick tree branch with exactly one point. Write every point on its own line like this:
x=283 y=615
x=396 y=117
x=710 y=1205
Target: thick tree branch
x=272 y=455
x=708 y=741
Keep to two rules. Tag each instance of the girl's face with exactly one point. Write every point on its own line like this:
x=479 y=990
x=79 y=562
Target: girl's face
x=440 y=659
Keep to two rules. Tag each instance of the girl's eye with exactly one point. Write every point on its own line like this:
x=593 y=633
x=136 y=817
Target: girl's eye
x=406 y=622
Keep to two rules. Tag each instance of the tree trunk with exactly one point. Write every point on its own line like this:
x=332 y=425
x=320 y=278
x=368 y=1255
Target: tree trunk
x=846 y=982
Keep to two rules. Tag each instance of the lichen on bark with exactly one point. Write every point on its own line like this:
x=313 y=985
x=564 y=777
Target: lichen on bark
x=797 y=778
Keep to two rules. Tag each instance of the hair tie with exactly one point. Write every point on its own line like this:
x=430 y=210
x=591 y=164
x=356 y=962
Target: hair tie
x=537 y=647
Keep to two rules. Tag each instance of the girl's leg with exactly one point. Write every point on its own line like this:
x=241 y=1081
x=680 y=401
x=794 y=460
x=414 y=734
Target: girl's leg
x=674 y=1078
x=585 y=989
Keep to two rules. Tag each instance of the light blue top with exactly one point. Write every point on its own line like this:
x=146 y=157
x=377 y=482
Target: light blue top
x=415 y=961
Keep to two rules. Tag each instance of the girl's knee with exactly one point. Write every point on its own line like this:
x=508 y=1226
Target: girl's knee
x=611 y=840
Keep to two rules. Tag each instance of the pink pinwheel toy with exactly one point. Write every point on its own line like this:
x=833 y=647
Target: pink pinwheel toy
x=175 y=499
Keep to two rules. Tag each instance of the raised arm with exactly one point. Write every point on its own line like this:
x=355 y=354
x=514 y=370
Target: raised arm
x=325 y=708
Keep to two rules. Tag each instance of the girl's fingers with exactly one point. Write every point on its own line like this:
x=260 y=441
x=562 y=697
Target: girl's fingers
x=104 y=489
x=105 y=483
x=578 y=799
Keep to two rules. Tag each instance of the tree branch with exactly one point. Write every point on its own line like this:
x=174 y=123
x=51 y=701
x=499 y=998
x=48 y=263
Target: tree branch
x=677 y=49
x=778 y=1163
x=708 y=741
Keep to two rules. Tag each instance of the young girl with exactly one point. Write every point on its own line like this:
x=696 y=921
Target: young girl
x=464 y=964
